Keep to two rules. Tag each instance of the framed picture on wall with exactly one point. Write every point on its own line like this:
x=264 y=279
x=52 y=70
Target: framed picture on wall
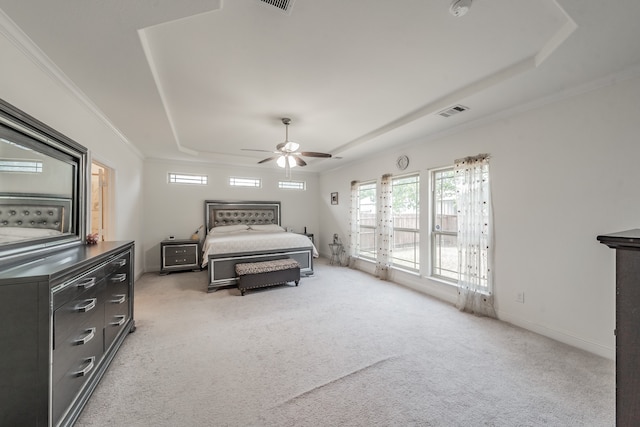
x=334 y=198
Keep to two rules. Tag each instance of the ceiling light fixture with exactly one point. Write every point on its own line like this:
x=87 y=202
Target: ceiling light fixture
x=287 y=161
x=284 y=159
x=287 y=152
x=459 y=7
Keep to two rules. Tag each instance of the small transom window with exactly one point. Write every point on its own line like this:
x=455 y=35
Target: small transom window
x=292 y=185
x=235 y=181
x=185 y=178
x=24 y=166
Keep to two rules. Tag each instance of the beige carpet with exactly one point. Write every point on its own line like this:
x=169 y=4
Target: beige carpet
x=342 y=349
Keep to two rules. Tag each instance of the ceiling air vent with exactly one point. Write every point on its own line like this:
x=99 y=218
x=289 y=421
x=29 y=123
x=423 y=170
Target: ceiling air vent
x=283 y=5
x=453 y=110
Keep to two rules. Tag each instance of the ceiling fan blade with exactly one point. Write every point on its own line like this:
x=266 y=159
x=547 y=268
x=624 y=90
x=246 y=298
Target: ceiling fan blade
x=267 y=159
x=314 y=154
x=299 y=161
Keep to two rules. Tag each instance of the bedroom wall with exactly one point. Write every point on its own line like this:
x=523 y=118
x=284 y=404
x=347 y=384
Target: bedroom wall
x=28 y=84
x=178 y=209
x=561 y=174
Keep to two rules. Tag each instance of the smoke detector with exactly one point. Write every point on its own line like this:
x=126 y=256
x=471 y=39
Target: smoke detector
x=459 y=7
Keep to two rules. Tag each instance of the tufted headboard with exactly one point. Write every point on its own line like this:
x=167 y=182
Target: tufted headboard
x=220 y=213
x=35 y=211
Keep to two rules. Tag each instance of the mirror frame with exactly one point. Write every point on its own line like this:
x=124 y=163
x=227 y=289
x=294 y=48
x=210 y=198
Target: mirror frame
x=50 y=142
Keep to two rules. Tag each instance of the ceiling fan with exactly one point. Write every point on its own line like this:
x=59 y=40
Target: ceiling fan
x=287 y=152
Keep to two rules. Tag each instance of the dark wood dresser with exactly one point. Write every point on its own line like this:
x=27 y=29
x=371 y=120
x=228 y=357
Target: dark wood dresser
x=627 y=246
x=64 y=316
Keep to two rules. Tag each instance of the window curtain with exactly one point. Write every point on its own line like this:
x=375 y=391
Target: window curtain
x=475 y=242
x=354 y=225
x=385 y=229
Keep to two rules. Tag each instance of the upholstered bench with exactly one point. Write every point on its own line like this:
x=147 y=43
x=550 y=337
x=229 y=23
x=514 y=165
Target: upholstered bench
x=260 y=274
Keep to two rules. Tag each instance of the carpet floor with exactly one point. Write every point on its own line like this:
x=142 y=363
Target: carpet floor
x=341 y=349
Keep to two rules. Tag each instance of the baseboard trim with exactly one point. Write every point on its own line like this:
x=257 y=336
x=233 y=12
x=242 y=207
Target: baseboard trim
x=558 y=335
x=448 y=294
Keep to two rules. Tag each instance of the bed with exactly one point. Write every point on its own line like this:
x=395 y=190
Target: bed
x=33 y=217
x=242 y=232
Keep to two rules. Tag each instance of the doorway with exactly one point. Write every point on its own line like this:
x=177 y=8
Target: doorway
x=101 y=176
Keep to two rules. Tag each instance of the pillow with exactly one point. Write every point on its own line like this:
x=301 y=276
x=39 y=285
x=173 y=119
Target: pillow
x=228 y=228
x=266 y=227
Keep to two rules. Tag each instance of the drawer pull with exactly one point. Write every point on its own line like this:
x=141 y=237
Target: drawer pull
x=87 y=283
x=119 y=278
x=90 y=334
x=120 y=321
x=90 y=363
x=120 y=299
x=89 y=305
x=120 y=262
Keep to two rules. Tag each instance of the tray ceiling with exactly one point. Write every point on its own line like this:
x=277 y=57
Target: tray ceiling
x=200 y=80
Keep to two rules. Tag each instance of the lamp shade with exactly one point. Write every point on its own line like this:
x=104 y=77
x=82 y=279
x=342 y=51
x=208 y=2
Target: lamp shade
x=283 y=160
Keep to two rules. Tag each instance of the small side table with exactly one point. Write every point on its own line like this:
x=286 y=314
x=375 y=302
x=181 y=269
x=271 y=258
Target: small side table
x=336 y=253
x=179 y=255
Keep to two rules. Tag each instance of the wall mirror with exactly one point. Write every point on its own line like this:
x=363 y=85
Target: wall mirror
x=43 y=177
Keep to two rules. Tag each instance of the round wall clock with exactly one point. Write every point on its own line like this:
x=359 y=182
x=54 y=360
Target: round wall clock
x=403 y=162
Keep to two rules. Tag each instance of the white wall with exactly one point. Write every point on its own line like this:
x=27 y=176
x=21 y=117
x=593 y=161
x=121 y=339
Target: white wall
x=561 y=174
x=178 y=209
x=31 y=87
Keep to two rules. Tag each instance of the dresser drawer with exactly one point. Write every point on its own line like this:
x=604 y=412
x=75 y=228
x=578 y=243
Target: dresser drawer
x=84 y=340
x=118 y=265
x=72 y=289
x=82 y=365
x=188 y=250
x=115 y=318
x=116 y=310
x=180 y=260
x=77 y=312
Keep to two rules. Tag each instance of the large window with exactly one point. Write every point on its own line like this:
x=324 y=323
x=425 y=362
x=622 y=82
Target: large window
x=406 y=220
x=366 y=220
x=444 y=225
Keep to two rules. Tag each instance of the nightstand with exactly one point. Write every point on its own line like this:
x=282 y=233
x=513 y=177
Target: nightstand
x=179 y=255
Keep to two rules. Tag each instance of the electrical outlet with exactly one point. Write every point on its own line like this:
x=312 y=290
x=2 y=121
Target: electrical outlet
x=520 y=297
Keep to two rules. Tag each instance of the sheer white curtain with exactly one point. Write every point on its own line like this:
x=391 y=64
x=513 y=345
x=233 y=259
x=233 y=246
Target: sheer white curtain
x=385 y=229
x=475 y=231
x=354 y=225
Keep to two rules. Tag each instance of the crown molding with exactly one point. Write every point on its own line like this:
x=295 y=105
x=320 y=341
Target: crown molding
x=32 y=52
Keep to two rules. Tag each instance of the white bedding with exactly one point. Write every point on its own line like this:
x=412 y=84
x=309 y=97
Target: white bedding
x=251 y=240
x=16 y=234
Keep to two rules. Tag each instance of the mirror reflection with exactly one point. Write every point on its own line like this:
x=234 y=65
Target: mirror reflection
x=36 y=192
x=24 y=170
x=39 y=190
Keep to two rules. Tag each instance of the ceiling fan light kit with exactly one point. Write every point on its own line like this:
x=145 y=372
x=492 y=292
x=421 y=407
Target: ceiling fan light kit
x=286 y=160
